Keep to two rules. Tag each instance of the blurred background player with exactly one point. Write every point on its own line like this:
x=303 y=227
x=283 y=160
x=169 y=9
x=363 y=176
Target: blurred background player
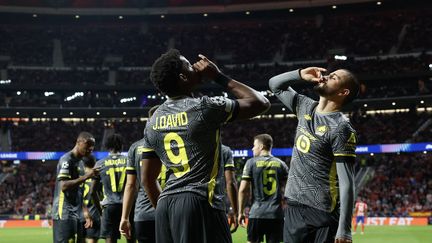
x=144 y=218
x=231 y=186
x=183 y=134
x=113 y=179
x=68 y=192
x=320 y=186
x=91 y=201
x=266 y=176
x=360 y=212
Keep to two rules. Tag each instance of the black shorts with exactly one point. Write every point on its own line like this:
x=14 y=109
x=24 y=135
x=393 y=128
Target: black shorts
x=110 y=223
x=64 y=230
x=189 y=218
x=272 y=229
x=307 y=224
x=145 y=231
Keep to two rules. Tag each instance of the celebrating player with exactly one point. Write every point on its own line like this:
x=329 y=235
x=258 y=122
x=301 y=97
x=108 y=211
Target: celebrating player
x=320 y=187
x=183 y=133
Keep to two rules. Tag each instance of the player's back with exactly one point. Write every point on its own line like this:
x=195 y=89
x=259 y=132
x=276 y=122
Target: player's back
x=184 y=133
x=113 y=178
x=267 y=174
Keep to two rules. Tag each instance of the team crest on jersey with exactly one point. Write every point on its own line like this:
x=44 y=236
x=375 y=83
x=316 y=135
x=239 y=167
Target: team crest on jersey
x=220 y=101
x=321 y=130
x=65 y=165
x=307 y=117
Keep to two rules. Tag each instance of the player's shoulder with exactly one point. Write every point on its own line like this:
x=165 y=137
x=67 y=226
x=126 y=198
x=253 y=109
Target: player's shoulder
x=66 y=157
x=225 y=149
x=135 y=145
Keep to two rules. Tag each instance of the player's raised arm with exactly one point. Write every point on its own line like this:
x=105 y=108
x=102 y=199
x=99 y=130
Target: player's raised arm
x=281 y=84
x=251 y=102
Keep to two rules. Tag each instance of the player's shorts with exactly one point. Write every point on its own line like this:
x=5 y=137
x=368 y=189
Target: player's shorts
x=94 y=231
x=145 y=231
x=110 y=223
x=64 y=230
x=360 y=219
x=189 y=218
x=272 y=229
x=307 y=224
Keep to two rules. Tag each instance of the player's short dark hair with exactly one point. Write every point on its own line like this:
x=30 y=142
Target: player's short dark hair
x=114 y=142
x=266 y=140
x=85 y=136
x=165 y=71
x=350 y=82
x=89 y=161
x=152 y=110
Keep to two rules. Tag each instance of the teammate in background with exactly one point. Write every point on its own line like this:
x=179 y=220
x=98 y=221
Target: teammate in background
x=91 y=201
x=68 y=192
x=360 y=213
x=183 y=134
x=267 y=176
x=113 y=179
x=231 y=186
x=144 y=219
x=320 y=187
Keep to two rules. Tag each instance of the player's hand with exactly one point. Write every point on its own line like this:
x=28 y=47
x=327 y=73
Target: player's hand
x=233 y=222
x=312 y=74
x=93 y=172
x=343 y=240
x=206 y=68
x=242 y=220
x=88 y=221
x=125 y=228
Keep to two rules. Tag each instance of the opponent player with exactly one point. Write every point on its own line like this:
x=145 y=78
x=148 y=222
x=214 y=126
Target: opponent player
x=231 y=186
x=68 y=192
x=320 y=187
x=144 y=219
x=360 y=213
x=183 y=133
x=113 y=179
x=267 y=176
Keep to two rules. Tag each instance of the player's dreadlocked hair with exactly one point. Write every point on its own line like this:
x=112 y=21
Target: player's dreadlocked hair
x=166 y=70
x=114 y=142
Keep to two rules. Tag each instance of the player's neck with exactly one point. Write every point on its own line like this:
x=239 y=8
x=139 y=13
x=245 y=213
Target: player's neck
x=75 y=153
x=264 y=153
x=325 y=106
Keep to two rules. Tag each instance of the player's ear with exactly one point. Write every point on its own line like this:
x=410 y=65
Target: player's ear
x=182 y=77
x=344 y=92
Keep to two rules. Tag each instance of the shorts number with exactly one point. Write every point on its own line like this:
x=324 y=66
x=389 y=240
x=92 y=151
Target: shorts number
x=112 y=174
x=303 y=144
x=181 y=158
x=269 y=180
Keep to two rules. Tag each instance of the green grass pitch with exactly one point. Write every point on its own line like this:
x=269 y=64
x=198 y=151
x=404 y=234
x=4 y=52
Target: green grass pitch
x=373 y=234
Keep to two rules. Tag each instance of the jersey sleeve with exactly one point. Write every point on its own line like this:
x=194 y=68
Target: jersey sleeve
x=130 y=166
x=247 y=171
x=63 y=171
x=229 y=161
x=147 y=151
x=219 y=110
x=344 y=141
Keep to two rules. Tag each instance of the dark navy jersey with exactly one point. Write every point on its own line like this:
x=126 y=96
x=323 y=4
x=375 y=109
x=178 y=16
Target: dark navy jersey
x=68 y=204
x=266 y=173
x=185 y=134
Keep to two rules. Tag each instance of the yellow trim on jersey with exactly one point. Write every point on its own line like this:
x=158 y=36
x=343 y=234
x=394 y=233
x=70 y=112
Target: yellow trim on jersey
x=231 y=112
x=341 y=155
x=144 y=150
x=246 y=177
x=229 y=165
x=61 y=202
x=130 y=168
x=213 y=175
x=63 y=176
x=334 y=191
